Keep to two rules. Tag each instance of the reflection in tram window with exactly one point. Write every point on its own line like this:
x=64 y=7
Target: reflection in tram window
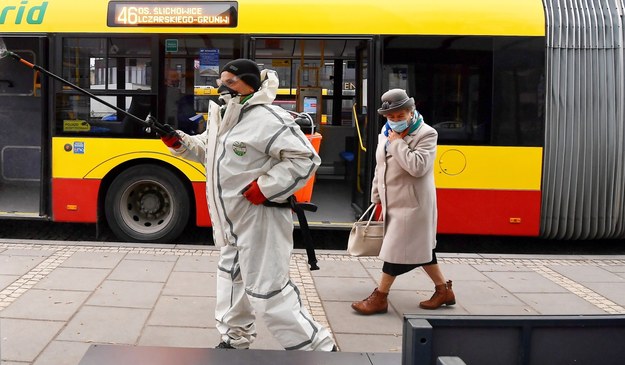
x=472 y=90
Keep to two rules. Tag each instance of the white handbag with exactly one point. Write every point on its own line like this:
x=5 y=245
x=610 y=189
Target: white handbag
x=365 y=238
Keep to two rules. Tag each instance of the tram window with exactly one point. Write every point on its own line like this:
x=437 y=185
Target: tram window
x=518 y=106
x=450 y=79
x=198 y=58
x=108 y=63
x=328 y=64
x=190 y=77
x=16 y=80
x=79 y=114
x=472 y=90
x=287 y=70
x=118 y=71
x=456 y=93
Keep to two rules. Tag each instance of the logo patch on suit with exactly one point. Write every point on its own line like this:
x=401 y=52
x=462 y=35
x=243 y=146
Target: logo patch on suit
x=239 y=148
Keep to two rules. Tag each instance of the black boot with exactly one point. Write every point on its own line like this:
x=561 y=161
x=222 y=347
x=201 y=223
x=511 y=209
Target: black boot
x=224 y=345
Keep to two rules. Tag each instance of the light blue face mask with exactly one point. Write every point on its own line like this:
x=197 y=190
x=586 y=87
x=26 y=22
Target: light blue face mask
x=398 y=126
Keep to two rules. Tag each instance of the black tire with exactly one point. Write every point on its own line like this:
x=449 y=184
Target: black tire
x=147 y=203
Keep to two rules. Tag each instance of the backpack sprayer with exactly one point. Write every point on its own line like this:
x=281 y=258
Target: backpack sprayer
x=304 y=121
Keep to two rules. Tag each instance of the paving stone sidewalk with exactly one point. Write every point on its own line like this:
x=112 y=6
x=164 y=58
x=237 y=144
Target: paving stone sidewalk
x=58 y=297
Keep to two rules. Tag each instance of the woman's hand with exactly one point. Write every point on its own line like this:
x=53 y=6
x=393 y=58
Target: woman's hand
x=392 y=135
x=377 y=213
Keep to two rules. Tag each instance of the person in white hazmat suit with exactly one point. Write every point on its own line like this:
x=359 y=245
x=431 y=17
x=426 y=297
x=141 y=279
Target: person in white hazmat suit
x=254 y=152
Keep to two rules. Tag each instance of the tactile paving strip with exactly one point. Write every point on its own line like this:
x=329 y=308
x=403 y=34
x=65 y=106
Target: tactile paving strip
x=300 y=273
x=299 y=269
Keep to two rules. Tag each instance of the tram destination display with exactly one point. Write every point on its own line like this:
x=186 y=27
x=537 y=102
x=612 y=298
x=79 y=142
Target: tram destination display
x=172 y=14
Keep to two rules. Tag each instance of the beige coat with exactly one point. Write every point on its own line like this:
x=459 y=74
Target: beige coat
x=404 y=183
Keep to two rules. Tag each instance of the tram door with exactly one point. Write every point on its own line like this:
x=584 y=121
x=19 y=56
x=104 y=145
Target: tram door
x=22 y=130
x=326 y=78
x=364 y=121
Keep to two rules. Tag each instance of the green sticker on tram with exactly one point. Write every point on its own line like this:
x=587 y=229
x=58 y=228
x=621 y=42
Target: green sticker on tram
x=171 y=45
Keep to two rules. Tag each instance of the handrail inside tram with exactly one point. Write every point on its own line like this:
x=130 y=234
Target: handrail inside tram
x=362 y=147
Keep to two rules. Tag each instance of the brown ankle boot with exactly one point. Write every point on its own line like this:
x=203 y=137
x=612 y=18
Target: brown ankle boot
x=375 y=303
x=443 y=295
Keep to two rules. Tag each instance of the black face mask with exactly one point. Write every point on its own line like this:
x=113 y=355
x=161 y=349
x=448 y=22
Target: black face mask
x=223 y=89
x=225 y=94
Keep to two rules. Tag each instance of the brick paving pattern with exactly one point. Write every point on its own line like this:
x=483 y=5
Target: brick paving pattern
x=163 y=314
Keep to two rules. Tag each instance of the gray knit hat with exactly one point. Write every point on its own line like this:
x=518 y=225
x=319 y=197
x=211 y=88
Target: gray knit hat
x=394 y=100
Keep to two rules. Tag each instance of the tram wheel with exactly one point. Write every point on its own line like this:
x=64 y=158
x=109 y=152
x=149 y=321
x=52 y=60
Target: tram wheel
x=147 y=203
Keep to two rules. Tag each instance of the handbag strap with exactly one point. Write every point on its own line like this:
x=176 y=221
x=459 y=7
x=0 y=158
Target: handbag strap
x=362 y=217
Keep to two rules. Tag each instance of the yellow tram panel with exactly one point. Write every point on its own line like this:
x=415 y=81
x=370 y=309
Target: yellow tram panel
x=478 y=17
x=488 y=167
x=93 y=158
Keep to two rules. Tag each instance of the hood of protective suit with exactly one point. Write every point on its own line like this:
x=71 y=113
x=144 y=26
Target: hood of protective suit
x=268 y=89
x=264 y=96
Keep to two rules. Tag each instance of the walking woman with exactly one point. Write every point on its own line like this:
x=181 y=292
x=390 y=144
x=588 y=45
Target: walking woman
x=404 y=190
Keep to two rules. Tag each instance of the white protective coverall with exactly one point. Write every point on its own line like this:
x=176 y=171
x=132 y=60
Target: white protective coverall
x=256 y=140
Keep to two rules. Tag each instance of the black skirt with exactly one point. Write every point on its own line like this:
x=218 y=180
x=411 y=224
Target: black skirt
x=392 y=269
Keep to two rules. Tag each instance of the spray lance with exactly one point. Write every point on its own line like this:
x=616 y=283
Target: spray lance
x=167 y=130
x=149 y=124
